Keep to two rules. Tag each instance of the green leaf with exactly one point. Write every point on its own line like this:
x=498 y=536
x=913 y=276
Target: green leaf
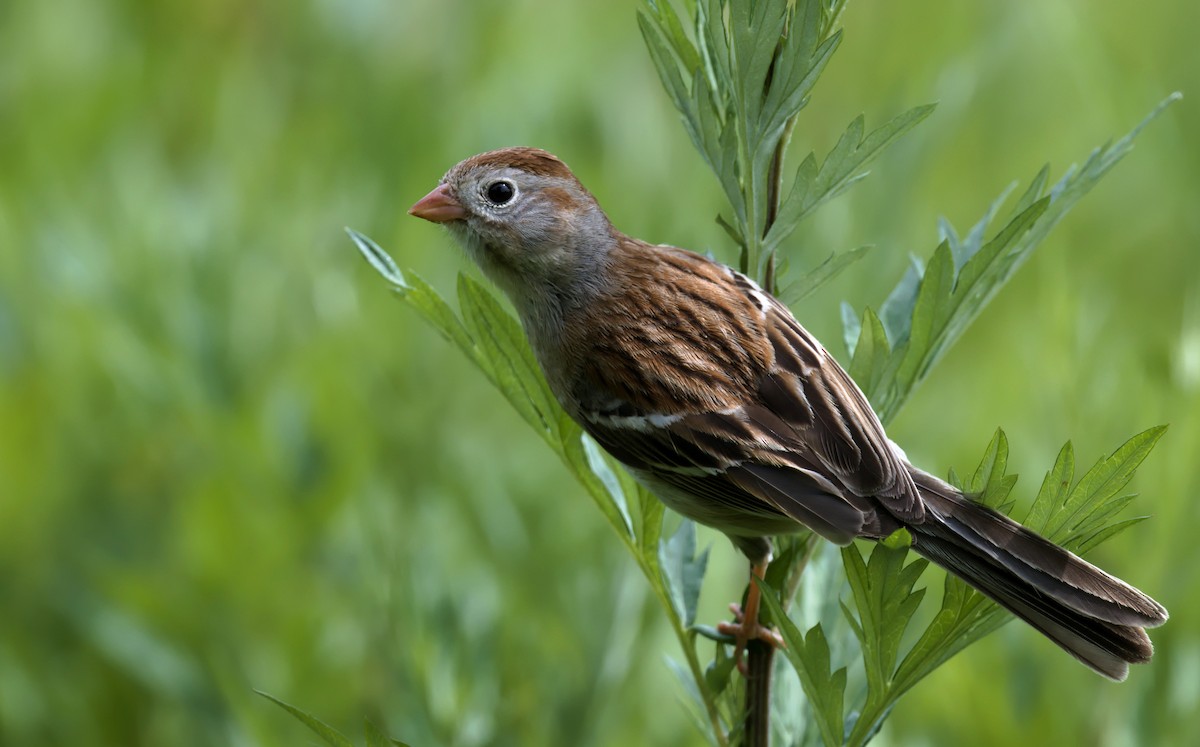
x=730 y=231
x=1100 y=487
x=995 y=459
x=963 y=250
x=989 y=483
x=977 y=282
x=1084 y=517
x=575 y=452
x=667 y=65
x=418 y=294
x=945 y=304
x=376 y=738
x=964 y=275
x=683 y=570
x=651 y=526
x=788 y=96
x=896 y=310
x=1101 y=514
x=719 y=671
x=898 y=540
x=809 y=655
x=597 y=463
x=1077 y=182
x=429 y=303
x=1054 y=490
x=964 y=617
x=851 y=329
x=841 y=168
x=801 y=61
x=809 y=282
x=754 y=30
x=379 y=259
x=1085 y=542
x=871 y=360
x=669 y=25
x=885 y=600
x=509 y=359
x=323 y=730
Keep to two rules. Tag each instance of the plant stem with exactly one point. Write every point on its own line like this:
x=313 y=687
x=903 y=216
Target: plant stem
x=774 y=195
x=760 y=656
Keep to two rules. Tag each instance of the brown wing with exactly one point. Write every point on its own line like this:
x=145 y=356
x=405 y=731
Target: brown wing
x=721 y=475
x=808 y=389
x=696 y=377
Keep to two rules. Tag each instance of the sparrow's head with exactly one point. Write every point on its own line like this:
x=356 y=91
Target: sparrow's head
x=524 y=218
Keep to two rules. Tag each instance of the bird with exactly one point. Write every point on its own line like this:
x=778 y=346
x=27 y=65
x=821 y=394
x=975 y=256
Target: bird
x=716 y=399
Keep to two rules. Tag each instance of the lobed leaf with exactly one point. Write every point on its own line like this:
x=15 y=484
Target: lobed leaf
x=990 y=484
x=672 y=29
x=1055 y=487
x=966 y=615
x=754 y=30
x=803 y=54
x=884 y=597
x=809 y=655
x=1085 y=542
x=963 y=275
x=841 y=168
x=811 y=281
x=1059 y=513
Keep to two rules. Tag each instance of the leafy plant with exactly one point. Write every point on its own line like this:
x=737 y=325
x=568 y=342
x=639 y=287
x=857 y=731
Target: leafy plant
x=740 y=73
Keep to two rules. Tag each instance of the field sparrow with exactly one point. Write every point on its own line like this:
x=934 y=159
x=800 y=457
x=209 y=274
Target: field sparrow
x=720 y=403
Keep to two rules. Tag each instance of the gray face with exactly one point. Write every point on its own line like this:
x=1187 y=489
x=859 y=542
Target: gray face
x=528 y=232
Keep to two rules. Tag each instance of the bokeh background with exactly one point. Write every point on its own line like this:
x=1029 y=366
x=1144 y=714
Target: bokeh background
x=230 y=460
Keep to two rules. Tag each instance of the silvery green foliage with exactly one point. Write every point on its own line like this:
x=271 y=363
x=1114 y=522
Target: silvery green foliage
x=740 y=72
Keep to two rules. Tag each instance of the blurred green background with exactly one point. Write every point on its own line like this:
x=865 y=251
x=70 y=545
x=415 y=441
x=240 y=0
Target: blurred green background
x=230 y=460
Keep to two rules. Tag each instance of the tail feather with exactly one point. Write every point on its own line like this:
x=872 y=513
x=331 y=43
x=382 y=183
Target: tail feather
x=1094 y=616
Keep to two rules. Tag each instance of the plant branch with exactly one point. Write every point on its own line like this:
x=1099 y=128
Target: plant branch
x=760 y=656
x=774 y=196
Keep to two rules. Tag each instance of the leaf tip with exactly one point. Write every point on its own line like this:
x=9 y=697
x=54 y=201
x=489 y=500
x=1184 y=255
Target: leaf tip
x=378 y=258
x=898 y=540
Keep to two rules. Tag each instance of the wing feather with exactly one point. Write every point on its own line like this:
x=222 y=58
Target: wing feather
x=834 y=419
x=736 y=410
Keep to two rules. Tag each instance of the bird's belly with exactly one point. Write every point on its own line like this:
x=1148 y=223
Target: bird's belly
x=726 y=517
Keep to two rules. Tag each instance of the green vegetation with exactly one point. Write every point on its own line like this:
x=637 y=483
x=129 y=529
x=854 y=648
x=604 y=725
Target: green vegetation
x=229 y=461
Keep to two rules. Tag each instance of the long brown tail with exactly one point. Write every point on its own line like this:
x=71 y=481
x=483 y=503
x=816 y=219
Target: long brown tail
x=1097 y=618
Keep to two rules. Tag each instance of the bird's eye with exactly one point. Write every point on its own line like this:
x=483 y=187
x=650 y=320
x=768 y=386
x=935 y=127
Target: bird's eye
x=500 y=192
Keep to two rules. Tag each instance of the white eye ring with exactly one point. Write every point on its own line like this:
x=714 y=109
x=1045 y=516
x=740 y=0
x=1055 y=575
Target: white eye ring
x=499 y=192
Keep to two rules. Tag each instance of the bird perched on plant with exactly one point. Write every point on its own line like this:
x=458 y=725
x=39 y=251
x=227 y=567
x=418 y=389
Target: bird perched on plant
x=716 y=399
